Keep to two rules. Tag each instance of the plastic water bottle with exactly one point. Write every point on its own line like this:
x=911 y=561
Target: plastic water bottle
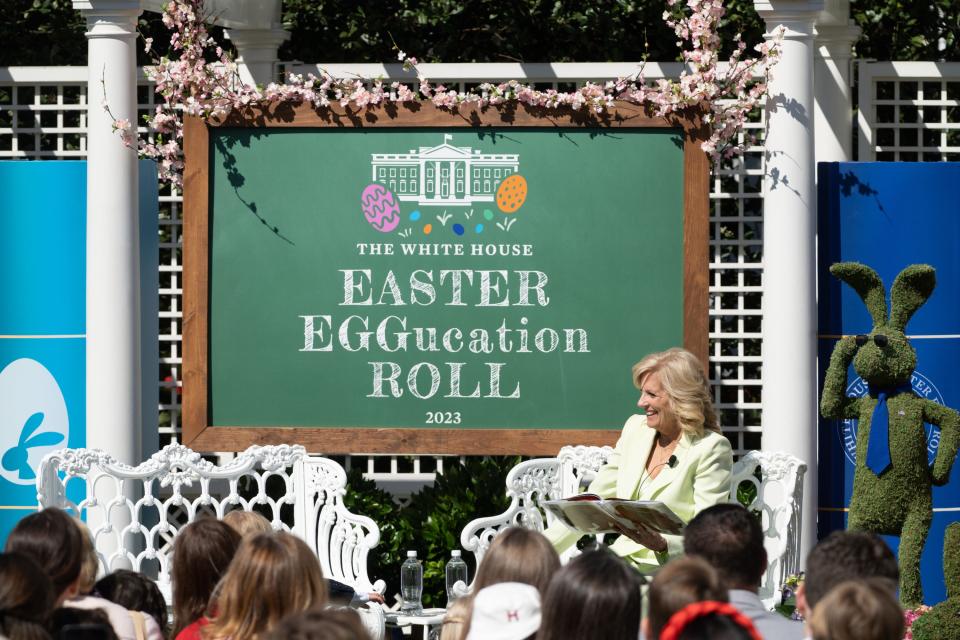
x=411 y=584
x=456 y=572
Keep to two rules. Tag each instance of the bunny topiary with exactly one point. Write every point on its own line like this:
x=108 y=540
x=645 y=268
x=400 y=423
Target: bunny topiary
x=892 y=480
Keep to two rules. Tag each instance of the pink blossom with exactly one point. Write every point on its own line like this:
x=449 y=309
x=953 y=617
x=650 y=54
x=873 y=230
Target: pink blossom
x=189 y=84
x=910 y=616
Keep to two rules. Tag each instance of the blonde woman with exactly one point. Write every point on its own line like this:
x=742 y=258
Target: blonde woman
x=272 y=576
x=673 y=453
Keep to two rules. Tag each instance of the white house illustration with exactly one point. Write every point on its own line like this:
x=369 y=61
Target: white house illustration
x=445 y=174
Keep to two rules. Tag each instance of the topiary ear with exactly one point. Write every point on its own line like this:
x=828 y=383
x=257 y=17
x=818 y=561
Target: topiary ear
x=910 y=290
x=868 y=286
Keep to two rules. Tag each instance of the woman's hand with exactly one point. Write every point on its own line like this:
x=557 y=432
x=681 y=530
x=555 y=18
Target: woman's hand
x=646 y=537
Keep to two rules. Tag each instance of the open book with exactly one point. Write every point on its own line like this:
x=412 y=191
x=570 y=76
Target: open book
x=589 y=513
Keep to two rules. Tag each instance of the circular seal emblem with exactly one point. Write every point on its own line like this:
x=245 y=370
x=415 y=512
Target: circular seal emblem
x=922 y=386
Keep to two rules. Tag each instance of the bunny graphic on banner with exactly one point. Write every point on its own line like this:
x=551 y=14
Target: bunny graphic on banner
x=33 y=419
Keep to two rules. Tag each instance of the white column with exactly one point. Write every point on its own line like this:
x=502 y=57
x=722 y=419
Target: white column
x=789 y=407
x=423 y=181
x=832 y=93
x=113 y=247
x=257 y=53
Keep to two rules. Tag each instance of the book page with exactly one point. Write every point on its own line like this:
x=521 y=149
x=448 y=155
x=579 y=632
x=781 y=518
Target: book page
x=651 y=514
x=592 y=515
x=583 y=516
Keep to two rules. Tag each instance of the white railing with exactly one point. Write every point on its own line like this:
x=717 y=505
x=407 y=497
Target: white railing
x=909 y=111
x=43 y=115
x=569 y=73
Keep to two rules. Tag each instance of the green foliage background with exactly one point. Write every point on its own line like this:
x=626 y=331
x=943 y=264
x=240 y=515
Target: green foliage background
x=51 y=32
x=431 y=523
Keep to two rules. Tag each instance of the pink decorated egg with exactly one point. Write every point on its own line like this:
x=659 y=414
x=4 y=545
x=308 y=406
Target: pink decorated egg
x=380 y=207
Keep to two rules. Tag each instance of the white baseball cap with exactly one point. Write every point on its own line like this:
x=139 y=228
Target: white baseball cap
x=505 y=611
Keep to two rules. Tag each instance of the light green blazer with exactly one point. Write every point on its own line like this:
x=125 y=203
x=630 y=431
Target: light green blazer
x=700 y=478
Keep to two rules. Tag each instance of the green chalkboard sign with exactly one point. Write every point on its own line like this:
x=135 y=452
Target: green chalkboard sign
x=411 y=284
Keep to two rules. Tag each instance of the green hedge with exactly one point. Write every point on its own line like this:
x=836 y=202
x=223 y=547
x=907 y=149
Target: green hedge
x=431 y=523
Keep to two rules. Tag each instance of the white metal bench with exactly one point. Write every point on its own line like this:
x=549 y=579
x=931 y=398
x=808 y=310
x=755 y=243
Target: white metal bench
x=779 y=493
x=134 y=513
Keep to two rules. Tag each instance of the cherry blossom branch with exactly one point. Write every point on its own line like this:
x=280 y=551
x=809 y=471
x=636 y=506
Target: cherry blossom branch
x=188 y=84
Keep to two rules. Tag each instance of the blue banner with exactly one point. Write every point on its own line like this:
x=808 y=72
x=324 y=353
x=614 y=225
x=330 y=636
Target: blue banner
x=887 y=216
x=43 y=321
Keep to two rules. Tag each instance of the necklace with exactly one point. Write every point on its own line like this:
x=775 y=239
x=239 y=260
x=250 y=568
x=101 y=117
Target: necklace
x=660 y=454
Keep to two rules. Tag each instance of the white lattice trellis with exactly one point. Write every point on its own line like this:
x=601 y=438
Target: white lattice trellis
x=909 y=111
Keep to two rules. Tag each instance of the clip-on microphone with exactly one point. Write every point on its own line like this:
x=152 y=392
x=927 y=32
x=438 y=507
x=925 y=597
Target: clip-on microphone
x=671 y=462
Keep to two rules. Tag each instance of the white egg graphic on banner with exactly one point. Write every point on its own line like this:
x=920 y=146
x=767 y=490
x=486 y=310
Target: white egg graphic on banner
x=380 y=207
x=921 y=385
x=33 y=419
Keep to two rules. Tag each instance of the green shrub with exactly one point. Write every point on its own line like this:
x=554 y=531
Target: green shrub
x=940 y=623
x=431 y=523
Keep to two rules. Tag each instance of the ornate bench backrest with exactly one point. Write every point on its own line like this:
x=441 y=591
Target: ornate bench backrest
x=135 y=513
x=778 y=498
x=528 y=483
x=579 y=465
x=342 y=540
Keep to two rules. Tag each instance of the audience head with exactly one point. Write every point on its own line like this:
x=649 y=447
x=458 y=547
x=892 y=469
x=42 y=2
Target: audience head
x=272 y=576
x=202 y=552
x=595 y=596
x=518 y=555
x=90 y=561
x=842 y=556
x=247 y=523
x=52 y=540
x=329 y=623
x=709 y=620
x=26 y=598
x=72 y=623
x=682 y=582
x=685 y=384
x=730 y=539
x=505 y=611
x=136 y=592
x=858 y=610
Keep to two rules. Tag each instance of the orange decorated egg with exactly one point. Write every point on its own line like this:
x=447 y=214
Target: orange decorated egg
x=512 y=193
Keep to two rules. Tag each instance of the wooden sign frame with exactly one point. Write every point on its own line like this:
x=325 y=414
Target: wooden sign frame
x=199 y=434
